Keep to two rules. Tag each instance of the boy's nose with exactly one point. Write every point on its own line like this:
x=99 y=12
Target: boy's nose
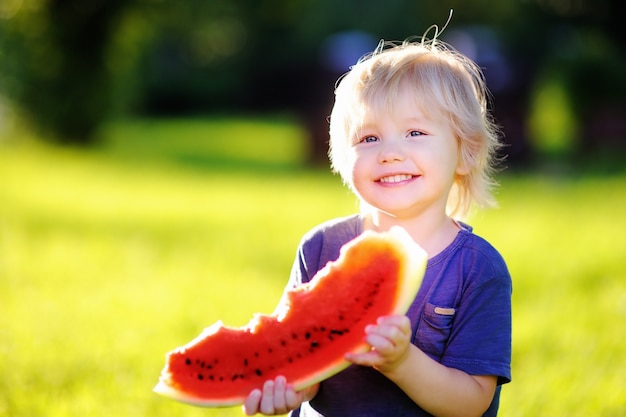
x=391 y=151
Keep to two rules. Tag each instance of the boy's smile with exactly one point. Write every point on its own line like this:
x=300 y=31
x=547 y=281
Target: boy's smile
x=394 y=179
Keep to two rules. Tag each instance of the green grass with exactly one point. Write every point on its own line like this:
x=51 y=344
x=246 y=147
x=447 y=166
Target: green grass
x=109 y=258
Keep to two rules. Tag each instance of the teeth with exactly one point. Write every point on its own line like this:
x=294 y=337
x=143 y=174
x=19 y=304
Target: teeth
x=396 y=178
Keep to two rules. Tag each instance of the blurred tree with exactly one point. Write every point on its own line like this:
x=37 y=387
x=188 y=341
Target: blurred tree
x=57 y=68
x=577 y=51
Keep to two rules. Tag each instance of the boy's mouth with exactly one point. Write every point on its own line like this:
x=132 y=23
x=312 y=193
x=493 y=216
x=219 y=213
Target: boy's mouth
x=392 y=179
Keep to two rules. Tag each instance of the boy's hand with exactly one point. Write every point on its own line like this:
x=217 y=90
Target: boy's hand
x=390 y=339
x=277 y=397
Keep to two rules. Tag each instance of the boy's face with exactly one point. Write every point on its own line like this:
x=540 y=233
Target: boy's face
x=403 y=163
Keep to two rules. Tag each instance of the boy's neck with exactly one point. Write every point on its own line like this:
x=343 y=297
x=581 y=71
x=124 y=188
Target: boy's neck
x=433 y=233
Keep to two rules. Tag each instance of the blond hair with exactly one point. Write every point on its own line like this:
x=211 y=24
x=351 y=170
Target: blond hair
x=446 y=84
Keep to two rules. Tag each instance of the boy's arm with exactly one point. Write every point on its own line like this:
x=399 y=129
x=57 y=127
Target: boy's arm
x=440 y=390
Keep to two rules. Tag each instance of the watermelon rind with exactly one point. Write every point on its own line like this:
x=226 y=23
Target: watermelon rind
x=414 y=268
x=167 y=390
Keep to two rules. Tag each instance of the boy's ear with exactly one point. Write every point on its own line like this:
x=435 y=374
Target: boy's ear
x=463 y=164
x=462 y=168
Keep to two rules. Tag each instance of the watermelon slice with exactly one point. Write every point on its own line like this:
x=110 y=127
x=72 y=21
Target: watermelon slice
x=311 y=330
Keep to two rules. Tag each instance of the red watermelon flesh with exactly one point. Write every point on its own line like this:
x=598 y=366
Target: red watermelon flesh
x=311 y=330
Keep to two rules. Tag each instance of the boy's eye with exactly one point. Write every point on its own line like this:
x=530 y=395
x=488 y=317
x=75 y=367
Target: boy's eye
x=414 y=133
x=368 y=139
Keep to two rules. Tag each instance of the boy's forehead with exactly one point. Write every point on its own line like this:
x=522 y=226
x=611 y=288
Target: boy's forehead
x=406 y=102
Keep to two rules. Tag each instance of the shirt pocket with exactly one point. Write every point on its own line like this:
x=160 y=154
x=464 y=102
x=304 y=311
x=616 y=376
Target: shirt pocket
x=433 y=329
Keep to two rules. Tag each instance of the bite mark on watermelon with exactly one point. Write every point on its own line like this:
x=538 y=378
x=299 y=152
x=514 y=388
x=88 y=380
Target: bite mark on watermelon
x=311 y=330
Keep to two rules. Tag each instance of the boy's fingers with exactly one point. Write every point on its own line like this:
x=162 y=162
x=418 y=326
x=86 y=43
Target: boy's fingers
x=251 y=405
x=267 y=400
x=402 y=322
x=366 y=359
x=279 y=395
x=382 y=343
x=292 y=398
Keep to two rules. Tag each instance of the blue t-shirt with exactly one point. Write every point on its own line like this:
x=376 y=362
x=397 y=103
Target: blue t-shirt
x=461 y=318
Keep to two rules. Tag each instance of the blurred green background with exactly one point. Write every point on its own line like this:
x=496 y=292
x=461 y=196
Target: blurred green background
x=159 y=162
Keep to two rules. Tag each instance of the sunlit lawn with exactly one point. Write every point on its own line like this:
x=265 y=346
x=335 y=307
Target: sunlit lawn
x=112 y=257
